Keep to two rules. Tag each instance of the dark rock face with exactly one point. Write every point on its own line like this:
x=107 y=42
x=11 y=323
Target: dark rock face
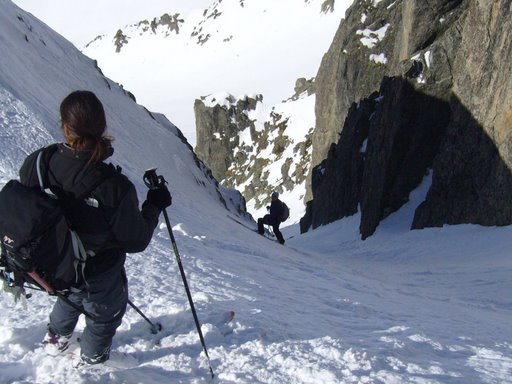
x=471 y=181
x=377 y=41
x=404 y=137
x=385 y=148
x=449 y=110
x=337 y=180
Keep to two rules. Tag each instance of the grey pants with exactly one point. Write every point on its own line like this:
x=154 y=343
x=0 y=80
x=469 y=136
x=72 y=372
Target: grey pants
x=267 y=219
x=106 y=298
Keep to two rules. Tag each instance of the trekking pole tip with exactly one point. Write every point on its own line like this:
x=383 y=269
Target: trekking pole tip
x=155 y=328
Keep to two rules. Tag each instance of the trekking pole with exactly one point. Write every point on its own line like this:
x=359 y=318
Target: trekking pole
x=270 y=231
x=153 y=181
x=154 y=327
x=53 y=292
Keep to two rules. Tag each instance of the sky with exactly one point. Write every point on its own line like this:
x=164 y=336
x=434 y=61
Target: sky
x=425 y=306
x=82 y=21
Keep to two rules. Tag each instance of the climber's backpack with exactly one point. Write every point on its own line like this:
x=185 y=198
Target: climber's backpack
x=285 y=212
x=34 y=232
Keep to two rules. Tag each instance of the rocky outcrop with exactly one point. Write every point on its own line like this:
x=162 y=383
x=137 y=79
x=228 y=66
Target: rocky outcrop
x=328 y=6
x=211 y=13
x=172 y=23
x=447 y=108
x=253 y=149
x=387 y=145
x=377 y=41
x=168 y=23
x=120 y=40
x=218 y=125
x=471 y=180
x=302 y=87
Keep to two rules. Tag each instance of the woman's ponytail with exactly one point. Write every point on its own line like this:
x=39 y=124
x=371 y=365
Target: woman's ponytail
x=84 y=123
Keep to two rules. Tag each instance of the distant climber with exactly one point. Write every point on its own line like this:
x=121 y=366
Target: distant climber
x=278 y=212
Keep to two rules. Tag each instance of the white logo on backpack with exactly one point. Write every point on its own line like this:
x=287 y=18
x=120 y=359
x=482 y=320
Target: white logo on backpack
x=8 y=241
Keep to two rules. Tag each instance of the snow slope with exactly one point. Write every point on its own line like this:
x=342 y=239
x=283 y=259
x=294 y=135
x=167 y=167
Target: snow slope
x=429 y=306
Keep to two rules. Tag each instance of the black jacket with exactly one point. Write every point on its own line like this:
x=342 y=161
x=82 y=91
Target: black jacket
x=276 y=210
x=112 y=228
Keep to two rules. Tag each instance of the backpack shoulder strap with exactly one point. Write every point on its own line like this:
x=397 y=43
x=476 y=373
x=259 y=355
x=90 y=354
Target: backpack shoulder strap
x=42 y=168
x=91 y=181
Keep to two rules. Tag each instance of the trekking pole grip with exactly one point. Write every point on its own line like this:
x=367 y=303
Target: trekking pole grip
x=152 y=180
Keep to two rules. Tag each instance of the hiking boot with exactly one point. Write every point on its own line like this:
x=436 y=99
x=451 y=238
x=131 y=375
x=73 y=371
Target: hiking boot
x=54 y=344
x=115 y=359
x=97 y=359
x=82 y=360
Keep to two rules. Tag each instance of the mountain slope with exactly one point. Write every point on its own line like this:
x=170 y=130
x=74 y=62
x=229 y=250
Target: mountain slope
x=43 y=68
x=403 y=306
x=232 y=47
x=240 y=47
x=257 y=149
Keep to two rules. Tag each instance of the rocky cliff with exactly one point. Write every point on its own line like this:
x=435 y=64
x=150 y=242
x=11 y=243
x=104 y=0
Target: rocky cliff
x=254 y=148
x=407 y=88
x=219 y=121
x=377 y=39
x=472 y=179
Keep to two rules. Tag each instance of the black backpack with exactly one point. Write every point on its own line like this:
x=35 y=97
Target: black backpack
x=37 y=240
x=285 y=212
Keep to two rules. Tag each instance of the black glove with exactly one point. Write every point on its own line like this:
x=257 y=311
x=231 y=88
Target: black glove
x=159 y=197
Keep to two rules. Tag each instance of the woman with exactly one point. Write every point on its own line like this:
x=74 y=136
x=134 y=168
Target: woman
x=109 y=228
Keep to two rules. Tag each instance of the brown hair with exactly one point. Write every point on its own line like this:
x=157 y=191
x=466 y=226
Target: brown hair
x=84 y=123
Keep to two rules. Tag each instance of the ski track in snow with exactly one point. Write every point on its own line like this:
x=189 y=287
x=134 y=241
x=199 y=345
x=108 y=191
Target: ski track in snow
x=300 y=318
x=372 y=311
